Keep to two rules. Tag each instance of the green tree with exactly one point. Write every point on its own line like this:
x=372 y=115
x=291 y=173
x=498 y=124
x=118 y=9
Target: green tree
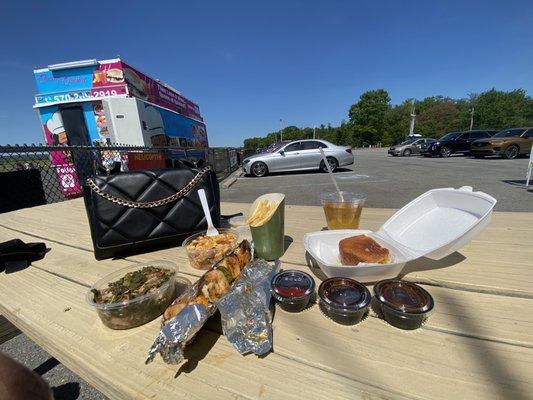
x=368 y=115
x=397 y=123
x=499 y=110
x=373 y=120
x=438 y=119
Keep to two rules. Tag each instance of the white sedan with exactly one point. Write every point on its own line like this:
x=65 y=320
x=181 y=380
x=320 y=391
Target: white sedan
x=298 y=155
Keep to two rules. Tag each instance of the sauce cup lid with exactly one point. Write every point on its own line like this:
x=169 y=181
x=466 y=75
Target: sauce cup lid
x=344 y=294
x=403 y=296
x=291 y=285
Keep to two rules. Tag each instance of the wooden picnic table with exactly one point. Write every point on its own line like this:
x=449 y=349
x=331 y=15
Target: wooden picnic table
x=477 y=344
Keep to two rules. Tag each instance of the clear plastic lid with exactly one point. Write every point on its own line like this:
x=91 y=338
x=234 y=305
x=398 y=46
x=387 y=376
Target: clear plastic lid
x=115 y=276
x=292 y=285
x=403 y=296
x=347 y=197
x=344 y=294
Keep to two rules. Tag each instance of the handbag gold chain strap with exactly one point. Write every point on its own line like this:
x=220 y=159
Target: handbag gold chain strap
x=149 y=204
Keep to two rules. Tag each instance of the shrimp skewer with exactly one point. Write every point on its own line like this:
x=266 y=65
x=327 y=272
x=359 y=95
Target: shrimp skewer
x=214 y=284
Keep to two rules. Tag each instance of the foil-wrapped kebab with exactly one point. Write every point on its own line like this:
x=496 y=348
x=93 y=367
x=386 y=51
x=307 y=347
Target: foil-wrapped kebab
x=188 y=313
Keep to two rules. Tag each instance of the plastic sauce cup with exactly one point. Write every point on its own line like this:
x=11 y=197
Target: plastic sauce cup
x=344 y=300
x=292 y=289
x=345 y=212
x=403 y=304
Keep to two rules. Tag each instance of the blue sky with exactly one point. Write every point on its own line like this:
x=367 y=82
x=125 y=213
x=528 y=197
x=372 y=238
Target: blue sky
x=248 y=63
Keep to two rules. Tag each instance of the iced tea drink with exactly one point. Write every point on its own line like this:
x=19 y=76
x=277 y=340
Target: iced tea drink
x=343 y=212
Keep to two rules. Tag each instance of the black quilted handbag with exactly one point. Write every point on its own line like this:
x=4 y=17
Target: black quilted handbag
x=132 y=212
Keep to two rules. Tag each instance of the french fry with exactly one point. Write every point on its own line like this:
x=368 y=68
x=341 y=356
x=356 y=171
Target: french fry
x=261 y=213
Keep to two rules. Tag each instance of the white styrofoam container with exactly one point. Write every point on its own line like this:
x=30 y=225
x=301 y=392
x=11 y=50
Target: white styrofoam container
x=433 y=225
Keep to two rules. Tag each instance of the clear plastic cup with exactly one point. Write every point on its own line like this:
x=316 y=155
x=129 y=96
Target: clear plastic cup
x=343 y=212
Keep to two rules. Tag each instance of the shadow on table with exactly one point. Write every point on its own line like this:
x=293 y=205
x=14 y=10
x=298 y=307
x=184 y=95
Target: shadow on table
x=427 y=264
x=203 y=342
x=420 y=264
x=314 y=268
x=287 y=241
x=488 y=356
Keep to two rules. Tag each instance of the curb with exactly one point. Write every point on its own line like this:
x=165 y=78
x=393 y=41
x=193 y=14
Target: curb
x=230 y=180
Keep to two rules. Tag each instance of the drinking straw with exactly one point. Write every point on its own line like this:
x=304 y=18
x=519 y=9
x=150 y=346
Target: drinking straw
x=331 y=174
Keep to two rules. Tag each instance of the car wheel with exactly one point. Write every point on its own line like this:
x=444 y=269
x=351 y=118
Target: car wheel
x=511 y=152
x=259 y=169
x=445 y=152
x=333 y=164
x=406 y=152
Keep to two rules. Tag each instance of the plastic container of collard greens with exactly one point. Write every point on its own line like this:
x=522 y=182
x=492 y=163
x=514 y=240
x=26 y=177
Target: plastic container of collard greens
x=135 y=295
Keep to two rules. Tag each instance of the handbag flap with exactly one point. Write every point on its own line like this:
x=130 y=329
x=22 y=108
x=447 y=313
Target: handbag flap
x=113 y=224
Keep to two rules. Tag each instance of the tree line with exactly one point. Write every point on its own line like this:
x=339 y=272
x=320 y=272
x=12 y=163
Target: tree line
x=372 y=120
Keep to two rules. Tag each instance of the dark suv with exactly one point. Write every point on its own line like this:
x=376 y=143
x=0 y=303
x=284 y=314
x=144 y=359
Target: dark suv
x=456 y=142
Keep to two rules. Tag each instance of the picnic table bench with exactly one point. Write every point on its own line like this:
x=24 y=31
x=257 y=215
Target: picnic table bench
x=477 y=344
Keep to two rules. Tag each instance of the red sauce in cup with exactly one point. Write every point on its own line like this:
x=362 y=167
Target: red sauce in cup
x=292 y=289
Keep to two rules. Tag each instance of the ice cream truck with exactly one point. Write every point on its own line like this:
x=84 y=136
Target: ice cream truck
x=93 y=102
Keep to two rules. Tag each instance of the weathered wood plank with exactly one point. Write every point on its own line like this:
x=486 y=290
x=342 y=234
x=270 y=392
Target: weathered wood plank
x=85 y=270
x=498 y=261
x=56 y=317
x=447 y=353
x=386 y=360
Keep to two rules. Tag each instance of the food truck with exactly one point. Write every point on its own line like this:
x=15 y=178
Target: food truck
x=106 y=102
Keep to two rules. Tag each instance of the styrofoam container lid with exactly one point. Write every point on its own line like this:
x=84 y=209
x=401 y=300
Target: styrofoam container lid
x=438 y=222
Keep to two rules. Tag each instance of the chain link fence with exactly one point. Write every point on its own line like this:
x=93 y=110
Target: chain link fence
x=35 y=175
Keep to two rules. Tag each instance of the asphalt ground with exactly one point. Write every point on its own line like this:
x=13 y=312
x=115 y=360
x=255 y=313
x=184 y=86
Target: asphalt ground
x=64 y=383
x=391 y=182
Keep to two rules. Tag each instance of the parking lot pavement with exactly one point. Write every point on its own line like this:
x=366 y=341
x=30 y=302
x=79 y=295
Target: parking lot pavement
x=391 y=182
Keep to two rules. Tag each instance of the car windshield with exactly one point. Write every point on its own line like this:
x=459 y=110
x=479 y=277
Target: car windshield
x=450 y=136
x=408 y=141
x=510 y=133
x=274 y=147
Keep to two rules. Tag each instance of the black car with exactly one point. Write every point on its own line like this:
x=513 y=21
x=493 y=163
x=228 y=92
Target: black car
x=456 y=142
x=425 y=146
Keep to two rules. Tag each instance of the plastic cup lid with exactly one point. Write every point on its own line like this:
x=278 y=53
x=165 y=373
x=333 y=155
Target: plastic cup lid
x=344 y=293
x=347 y=197
x=403 y=296
x=292 y=285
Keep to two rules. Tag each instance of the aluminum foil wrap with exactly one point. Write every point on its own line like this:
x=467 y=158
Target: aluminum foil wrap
x=180 y=330
x=245 y=315
x=245 y=310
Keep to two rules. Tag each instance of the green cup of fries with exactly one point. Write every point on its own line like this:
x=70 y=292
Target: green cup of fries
x=267 y=224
